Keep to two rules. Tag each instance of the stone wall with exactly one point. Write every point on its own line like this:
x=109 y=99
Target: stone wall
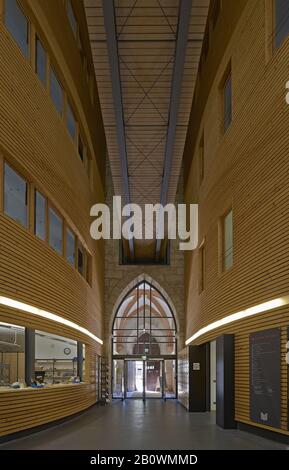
x=119 y=279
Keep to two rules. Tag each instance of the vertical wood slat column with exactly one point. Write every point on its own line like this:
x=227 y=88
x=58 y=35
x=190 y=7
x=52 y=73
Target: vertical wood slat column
x=225 y=417
x=198 y=378
x=80 y=360
x=29 y=355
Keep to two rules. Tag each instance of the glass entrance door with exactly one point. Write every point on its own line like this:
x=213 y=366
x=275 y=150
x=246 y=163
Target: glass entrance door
x=151 y=378
x=134 y=379
x=154 y=379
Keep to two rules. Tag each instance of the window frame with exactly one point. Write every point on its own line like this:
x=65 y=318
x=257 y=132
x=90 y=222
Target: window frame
x=52 y=71
x=81 y=248
x=226 y=77
x=26 y=54
x=69 y=229
x=36 y=40
x=82 y=141
x=201 y=162
x=56 y=211
x=276 y=47
x=202 y=266
x=28 y=193
x=216 y=11
x=46 y=240
x=223 y=267
x=69 y=109
x=72 y=18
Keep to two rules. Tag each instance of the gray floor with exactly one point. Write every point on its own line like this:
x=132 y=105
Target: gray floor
x=137 y=425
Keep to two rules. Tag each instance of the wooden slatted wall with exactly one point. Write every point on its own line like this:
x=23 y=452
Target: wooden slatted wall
x=246 y=169
x=34 y=140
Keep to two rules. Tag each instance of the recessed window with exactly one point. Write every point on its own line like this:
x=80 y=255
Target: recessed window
x=72 y=18
x=216 y=9
x=201 y=269
x=40 y=216
x=81 y=260
x=82 y=50
x=227 y=101
x=206 y=44
x=15 y=196
x=88 y=268
x=91 y=87
x=281 y=23
x=228 y=241
x=55 y=231
x=17 y=24
x=56 y=92
x=70 y=247
x=81 y=149
x=71 y=122
x=40 y=61
x=201 y=160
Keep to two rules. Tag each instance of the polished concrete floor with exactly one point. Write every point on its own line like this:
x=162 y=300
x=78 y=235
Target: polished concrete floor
x=140 y=426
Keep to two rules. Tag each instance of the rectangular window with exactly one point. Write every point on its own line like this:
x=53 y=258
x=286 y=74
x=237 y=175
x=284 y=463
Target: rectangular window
x=40 y=216
x=17 y=24
x=70 y=247
x=201 y=160
x=56 y=92
x=81 y=260
x=228 y=241
x=281 y=23
x=40 y=61
x=88 y=268
x=12 y=355
x=216 y=9
x=72 y=18
x=206 y=44
x=71 y=122
x=55 y=231
x=201 y=269
x=82 y=50
x=227 y=101
x=81 y=149
x=15 y=196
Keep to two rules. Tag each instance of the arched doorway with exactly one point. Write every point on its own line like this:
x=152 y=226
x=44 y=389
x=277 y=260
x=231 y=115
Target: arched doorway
x=144 y=345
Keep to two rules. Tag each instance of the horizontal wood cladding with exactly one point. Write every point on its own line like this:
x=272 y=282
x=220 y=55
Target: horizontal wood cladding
x=24 y=409
x=31 y=272
x=34 y=139
x=246 y=169
x=35 y=142
x=51 y=20
x=218 y=42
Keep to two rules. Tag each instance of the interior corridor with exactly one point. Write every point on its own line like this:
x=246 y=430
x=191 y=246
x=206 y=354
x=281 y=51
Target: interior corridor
x=133 y=425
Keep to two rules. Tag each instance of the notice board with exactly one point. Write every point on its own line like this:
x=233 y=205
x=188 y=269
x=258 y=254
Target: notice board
x=265 y=377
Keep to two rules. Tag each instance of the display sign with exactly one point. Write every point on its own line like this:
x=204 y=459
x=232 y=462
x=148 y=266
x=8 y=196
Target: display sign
x=265 y=377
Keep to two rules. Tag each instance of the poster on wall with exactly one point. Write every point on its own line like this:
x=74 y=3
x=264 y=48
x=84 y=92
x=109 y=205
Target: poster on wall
x=265 y=377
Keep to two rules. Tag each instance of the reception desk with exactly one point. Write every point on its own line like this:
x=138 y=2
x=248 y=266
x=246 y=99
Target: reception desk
x=21 y=409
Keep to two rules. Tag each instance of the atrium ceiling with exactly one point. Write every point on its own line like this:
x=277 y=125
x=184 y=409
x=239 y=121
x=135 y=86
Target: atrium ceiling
x=146 y=55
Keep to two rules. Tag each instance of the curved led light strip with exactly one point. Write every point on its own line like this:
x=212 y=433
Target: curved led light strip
x=271 y=305
x=48 y=315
